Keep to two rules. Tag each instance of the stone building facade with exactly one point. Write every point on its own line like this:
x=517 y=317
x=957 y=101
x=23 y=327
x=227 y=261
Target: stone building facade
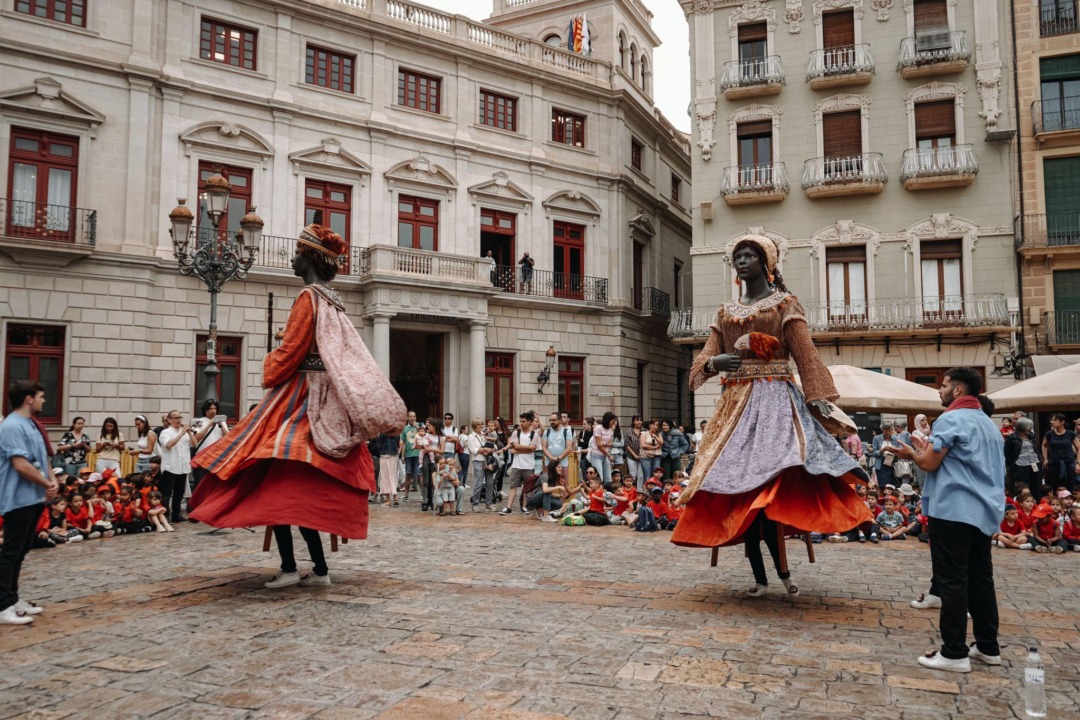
x=870 y=140
x=426 y=139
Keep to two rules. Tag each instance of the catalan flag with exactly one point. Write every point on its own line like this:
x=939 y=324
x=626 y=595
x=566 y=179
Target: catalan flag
x=577 y=36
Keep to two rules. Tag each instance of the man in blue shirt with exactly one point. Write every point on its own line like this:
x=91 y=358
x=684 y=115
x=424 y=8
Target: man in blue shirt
x=965 y=501
x=25 y=483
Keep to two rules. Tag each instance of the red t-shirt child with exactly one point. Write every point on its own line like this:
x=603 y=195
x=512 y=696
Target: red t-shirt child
x=1023 y=517
x=660 y=508
x=621 y=506
x=123 y=512
x=597 y=503
x=77 y=520
x=1014 y=529
x=1046 y=527
x=43 y=522
x=1070 y=532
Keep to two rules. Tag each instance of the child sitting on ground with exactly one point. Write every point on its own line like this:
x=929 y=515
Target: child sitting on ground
x=1012 y=532
x=621 y=498
x=629 y=491
x=128 y=512
x=78 y=516
x=1046 y=532
x=158 y=513
x=101 y=510
x=890 y=521
x=59 y=532
x=596 y=515
x=1071 y=532
x=41 y=532
x=661 y=510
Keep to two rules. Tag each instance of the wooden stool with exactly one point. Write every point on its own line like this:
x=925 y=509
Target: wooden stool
x=781 y=547
x=270 y=535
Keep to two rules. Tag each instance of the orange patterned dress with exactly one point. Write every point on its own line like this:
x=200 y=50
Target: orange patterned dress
x=763 y=450
x=267 y=471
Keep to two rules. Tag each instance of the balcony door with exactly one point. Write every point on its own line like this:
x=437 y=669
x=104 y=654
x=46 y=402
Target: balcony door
x=333 y=202
x=498 y=232
x=931 y=25
x=935 y=134
x=569 y=260
x=838 y=41
x=639 y=274
x=239 y=200
x=846 y=283
x=755 y=154
x=1061 y=180
x=753 y=48
x=942 y=279
x=42 y=176
x=1060 y=86
x=1067 y=307
x=842 y=143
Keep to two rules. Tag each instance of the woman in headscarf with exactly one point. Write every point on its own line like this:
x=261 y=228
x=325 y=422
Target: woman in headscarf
x=300 y=457
x=764 y=459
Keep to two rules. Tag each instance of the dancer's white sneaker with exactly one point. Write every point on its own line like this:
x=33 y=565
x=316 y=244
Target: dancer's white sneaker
x=926 y=601
x=757 y=590
x=11 y=616
x=792 y=588
x=974 y=652
x=312 y=579
x=28 y=608
x=282 y=579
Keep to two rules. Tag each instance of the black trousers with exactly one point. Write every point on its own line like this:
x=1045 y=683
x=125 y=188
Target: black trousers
x=172 y=489
x=762 y=527
x=964 y=574
x=283 y=535
x=19 y=526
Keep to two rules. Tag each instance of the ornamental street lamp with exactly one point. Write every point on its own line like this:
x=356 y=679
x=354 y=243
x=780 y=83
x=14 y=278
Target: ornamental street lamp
x=215 y=259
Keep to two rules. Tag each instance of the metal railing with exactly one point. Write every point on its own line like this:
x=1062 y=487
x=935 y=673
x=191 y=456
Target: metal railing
x=898 y=314
x=843 y=60
x=1063 y=328
x=652 y=300
x=933 y=48
x=1058 y=20
x=936 y=161
x=277 y=252
x=843 y=169
x=42 y=221
x=1056 y=114
x=757 y=71
x=754 y=178
x=547 y=284
x=1048 y=230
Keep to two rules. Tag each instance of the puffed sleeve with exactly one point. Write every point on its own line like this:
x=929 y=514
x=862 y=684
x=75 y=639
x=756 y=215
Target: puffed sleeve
x=713 y=346
x=284 y=360
x=817 y=382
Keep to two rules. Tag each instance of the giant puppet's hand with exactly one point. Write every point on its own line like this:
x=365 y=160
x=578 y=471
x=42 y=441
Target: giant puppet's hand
x=821 y=406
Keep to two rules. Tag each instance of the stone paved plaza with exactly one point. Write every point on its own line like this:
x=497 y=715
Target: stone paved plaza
x=508 y=618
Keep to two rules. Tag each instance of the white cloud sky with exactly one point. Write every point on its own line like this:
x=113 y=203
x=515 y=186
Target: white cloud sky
x=671 y=74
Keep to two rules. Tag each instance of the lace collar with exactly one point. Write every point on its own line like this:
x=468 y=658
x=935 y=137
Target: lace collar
x=737 y=310
x=329 y=295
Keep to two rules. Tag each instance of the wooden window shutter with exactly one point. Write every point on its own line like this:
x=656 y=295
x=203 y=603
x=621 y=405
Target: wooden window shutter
x=941 y=250
x=842 y=133
x=838 y=29
x=850 y=253
x=931 y=16
x=935 y=119
x=757 y=31
x=752 y=129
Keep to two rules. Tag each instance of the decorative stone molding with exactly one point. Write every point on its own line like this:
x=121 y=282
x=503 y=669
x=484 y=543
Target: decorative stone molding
x=46 y=97
x=641 y=228
x=330 y=156
x=935 y=91
x=944 y=225
x=705 y=80
x=220 y=135
x=423 y=172
x=748 y=12
x=989 y=84
x=793 y=15
x=574 y=203
x=846 y=232
x=882 y=7
x=753 y=112
x=821 y=6
x=502 y=189
x=705 y=113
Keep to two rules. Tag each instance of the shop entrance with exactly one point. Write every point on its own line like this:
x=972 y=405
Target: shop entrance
x=416 y=371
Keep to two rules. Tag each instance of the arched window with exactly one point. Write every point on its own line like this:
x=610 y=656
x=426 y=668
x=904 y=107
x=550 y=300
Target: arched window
x=553 y=39
x=633 y=62
x=622 y=50
x=645 y=75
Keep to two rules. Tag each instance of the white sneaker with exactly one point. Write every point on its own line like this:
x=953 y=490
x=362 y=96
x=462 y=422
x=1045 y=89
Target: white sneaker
x=837 y=539
x=926 y=601
x=94 y=535
x=1076 y=548
x=11 y=616
x=937 y=661
x=792 y=588
x=1041 y=549
x=1027 y=546
x=313 y=579
x=282 y=579
x=757 y=590
x=28 y=608
x=973 y=652
x=548 y=519
x=77 y=538
x=1057 y=549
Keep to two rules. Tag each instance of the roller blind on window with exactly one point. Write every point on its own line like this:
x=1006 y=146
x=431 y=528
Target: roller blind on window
x=935 y=120
x=838 y=29
x=757 y=31
x=842 y=133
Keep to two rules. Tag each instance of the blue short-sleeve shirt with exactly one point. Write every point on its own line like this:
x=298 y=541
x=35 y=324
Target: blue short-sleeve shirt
x=969 y=486
x=19 y=437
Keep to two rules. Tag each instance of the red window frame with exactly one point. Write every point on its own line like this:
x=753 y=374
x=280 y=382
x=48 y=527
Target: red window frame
x=329 y=69
x=69 y=12
x=567 y=128
x=571 y=373
x=569 y=242
x=228 y=44
x=50 y=222
x=498 y=111
x=417 y=219
x=498 y=366
x=635 y=154
x=229 y=356
x=334 y=201
x=240 y=196
x=42 y=342
x=419 y=91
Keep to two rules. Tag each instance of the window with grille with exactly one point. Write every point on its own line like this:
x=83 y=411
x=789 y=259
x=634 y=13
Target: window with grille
x=226 y=43
x=329 y=69
x=36 y=352
x=418 y=223
x=568 y=128
x=70 y=12
x=498 y=111
x=420 y=92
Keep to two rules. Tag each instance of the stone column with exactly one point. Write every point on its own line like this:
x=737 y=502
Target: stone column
x=477 y=390
x=380 y=340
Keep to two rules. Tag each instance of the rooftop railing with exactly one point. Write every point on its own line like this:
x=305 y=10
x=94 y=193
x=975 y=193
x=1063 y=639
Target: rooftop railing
x=933 y=48
x=841 y=169
x=843 y=60
x=43 y=221
x=1061 y=229
x=937 y=161
x=756 y=71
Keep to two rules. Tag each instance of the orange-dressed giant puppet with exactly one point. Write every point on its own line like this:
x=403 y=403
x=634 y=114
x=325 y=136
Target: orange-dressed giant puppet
x=300 y=457
x=764 y=458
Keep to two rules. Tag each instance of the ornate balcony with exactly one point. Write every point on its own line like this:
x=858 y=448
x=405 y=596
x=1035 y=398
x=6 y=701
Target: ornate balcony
x=844 y=175
x=652 y=300
x=926 y=316
x=940 y=167
x=1062 y=328
x=1059 y=19
x=276 y=252
x=50 y=235
x=1056 y=121
x=547 y=284
x=749 y=184
x=942 y=53
x=752 y=78
x=1045 y=233
x=840 y=66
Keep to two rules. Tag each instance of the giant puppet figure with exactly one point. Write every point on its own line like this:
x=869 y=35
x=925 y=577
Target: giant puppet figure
x=764 y=458
x=300 y=457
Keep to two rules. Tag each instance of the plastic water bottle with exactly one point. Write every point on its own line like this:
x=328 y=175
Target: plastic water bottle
x=1034 y=685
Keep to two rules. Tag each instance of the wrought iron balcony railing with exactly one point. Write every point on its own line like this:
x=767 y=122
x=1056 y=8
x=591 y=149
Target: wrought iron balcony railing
x=844 y=60
x=841 y=169
x=1058 y=19
x=754 y=178
x=1055 y=114
x=937 y=161
x=1048 y=230
x=1063 y=327
x=547 y=284
x=652 y=300
x=277 y=252
x=42 y=221
x=933 y=48
x=872 y=316
x=758 y=71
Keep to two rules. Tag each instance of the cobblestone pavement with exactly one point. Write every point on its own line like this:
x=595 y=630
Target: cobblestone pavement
x=508 y=618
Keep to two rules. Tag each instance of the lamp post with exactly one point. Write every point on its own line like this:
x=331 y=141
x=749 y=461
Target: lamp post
x=545 y=374
x=215 y=260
